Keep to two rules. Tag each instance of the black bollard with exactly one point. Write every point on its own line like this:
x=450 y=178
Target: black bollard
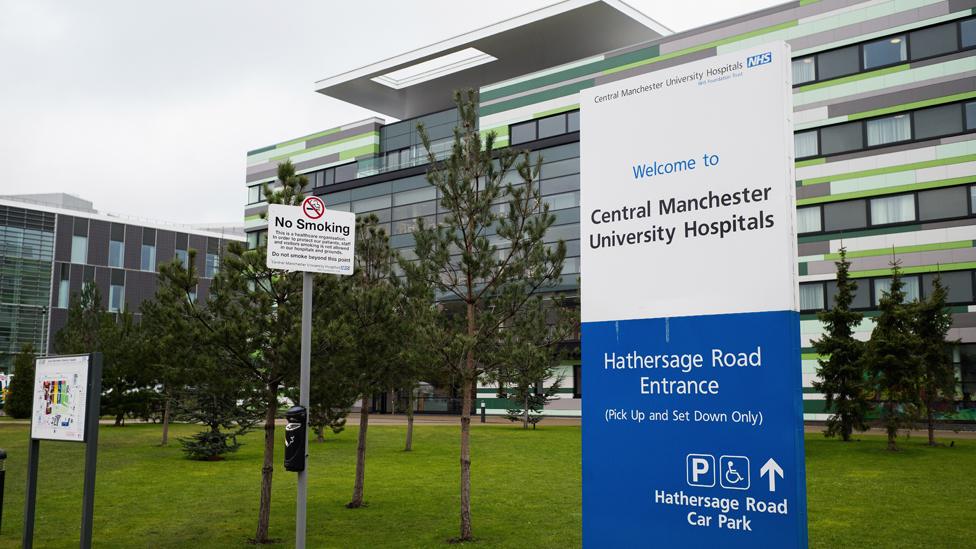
x=482 y=411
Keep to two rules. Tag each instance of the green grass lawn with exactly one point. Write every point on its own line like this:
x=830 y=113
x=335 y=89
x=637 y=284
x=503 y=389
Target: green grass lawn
x=526 y=491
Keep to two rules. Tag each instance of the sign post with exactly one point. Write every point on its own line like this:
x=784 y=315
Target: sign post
x=310 y=239
x=67 y=397
x=693 y=418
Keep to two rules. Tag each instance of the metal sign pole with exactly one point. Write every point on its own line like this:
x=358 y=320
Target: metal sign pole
x=304 y=383
x=30 y=498
x=91 y=448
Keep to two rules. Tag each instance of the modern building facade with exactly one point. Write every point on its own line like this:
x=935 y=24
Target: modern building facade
x=48 y=252
x=884 y=95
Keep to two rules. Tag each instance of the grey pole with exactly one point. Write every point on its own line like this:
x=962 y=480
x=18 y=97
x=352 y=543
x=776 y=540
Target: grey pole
x=91 y=449
x=30 y=498
x=304 y=382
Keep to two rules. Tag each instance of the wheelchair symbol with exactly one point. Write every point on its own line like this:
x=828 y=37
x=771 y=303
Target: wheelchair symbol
x=734 y=472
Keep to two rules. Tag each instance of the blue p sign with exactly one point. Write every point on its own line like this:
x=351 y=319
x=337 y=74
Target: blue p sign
x=700 y=470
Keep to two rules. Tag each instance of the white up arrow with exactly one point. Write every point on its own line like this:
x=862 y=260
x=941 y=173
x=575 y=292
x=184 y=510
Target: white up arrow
x=772 y=469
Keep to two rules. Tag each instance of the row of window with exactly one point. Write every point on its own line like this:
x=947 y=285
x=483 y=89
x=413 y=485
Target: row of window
x=917 y=125
x=116 y=288
x=923 y=43
x=541 y=128
x=931 y=205
x=818 y=296
x=147 y=255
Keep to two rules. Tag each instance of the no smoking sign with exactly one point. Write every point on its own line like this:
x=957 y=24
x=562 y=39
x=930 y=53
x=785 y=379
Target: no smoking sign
x=313 y=207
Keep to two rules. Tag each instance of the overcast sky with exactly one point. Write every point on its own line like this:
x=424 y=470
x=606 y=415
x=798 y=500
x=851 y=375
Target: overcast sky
x=148 y=108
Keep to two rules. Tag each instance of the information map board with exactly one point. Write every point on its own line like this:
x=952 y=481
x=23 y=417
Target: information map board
x=60 y=404
x=692 y=419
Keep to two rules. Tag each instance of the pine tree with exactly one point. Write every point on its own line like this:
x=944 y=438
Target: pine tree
x=20 y=396
x=890 y=358
x=841 y=375
x=486 y=278
x=252 y=321
x=369 y=299
x=932 y=321
x=529 y=354
x=90 y=328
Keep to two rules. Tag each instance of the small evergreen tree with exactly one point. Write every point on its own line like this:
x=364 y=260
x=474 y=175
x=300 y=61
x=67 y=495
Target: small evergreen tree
x=20 y=396
x=890 y=358
x=488 y=263
x=932 y=321
x=216 y=399
x=840 y=375
x=528 y=357
x=369 y=299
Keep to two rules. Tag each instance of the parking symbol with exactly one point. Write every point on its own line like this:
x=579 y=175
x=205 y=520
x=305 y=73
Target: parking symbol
x=700 y=470
x=734 y=472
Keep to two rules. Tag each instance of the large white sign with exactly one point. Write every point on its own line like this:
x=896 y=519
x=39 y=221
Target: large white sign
x=683 y=209
x=60 y=398
x=311 y=238
x=693 y=416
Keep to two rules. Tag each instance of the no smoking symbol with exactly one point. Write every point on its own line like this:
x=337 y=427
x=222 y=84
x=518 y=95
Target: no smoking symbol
x=313 y=207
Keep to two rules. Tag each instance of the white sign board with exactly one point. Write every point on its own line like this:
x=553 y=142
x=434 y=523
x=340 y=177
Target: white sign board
x=60 y=398
x=311 y=238
x=684 y=207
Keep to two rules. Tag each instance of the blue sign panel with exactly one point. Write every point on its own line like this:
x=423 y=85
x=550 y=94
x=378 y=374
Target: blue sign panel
x=694 y=433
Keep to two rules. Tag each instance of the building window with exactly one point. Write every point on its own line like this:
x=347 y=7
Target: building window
x=79 y=249
x=64 y=286
x=967 y=33
x=841 y=138
x=942 y=203
x=944 y=120
x=891 y=129
x=861 y=298
x=572 y=121
x=840 y=216
x=552 y=125
x=886 y=51
x=212 y=265
x=805 y=144
x=971 y=116
x=812 y=296
x=808 y=220
x=562 y=201
x=804 y=70
x=116 y=251
x=934 y=41
x=148 y=259
x=958 y=285
x=254 y=194
x=842 y=62
x=893 y=209
x=184 y=257
x=116 y=291
x=883 y=286
x=522 y=133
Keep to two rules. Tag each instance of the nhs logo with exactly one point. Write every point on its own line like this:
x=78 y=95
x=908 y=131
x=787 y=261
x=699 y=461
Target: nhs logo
x=759 y=59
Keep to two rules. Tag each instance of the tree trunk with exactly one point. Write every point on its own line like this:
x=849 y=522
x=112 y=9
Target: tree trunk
x=267 y=468
x=119 y=420
x=357 y=491
x=410 y=401
x=467 y=380
x=165 y=440
x=320 y=433
x=525 y=412
x=891 y=426
x=930 y=419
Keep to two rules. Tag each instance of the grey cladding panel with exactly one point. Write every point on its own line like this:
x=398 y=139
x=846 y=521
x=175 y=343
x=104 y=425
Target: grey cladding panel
x=62 y=241
x=133 y=247
x=98 y=234
x=165 y=246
